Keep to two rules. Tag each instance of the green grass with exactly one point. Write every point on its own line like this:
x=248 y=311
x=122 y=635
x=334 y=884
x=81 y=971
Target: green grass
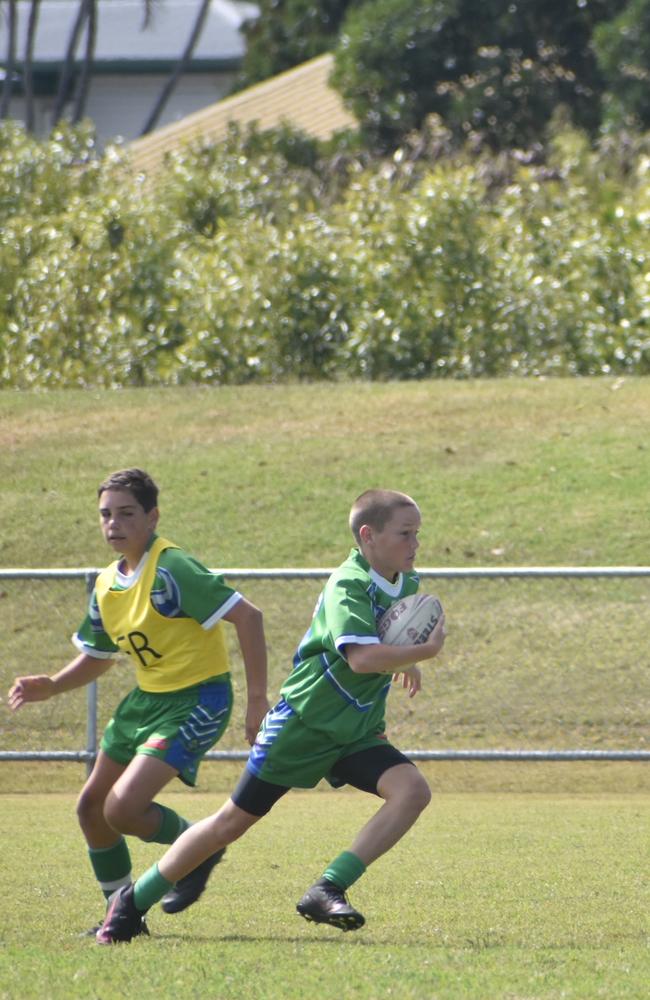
x=540 y=472
x=506 y=473
x=489 y=897
x=523 y=881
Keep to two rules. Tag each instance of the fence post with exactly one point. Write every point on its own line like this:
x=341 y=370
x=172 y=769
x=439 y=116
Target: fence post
x=91 y=700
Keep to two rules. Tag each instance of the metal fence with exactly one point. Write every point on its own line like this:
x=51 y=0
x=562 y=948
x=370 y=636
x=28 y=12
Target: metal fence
x=467 y=576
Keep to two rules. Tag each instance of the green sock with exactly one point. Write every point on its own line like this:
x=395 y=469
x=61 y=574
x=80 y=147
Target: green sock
x=171 y=827
x=150 y=888
x=111 y=865
x=344 y=870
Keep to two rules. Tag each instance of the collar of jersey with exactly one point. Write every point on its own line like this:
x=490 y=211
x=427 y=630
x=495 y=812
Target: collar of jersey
x=392 y=589
x=123 y=581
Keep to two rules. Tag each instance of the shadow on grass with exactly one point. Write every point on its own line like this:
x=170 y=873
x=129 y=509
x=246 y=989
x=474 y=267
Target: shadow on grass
x=478 y=943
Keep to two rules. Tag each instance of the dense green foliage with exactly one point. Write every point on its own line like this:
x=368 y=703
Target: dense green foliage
x=287 y=33
x=267 y=257
x=623 y=49
x=492 y=70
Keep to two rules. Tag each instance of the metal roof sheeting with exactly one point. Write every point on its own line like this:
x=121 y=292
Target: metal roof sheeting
x=121 y=36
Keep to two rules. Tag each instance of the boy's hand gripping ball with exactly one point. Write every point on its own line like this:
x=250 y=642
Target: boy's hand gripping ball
x=409 y=621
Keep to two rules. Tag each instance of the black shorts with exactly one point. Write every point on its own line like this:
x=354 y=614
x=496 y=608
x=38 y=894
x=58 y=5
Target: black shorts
x=362 y=770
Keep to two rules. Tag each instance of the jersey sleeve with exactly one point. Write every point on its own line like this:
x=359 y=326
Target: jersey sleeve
x=196 y=591
x=91 y=638
x=349 y=613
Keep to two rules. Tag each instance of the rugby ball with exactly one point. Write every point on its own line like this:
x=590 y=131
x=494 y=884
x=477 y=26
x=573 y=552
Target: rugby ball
x=410 y=620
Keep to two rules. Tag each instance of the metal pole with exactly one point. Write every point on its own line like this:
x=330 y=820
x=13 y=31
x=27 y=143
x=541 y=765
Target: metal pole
x=530 y=572
x=91 y=699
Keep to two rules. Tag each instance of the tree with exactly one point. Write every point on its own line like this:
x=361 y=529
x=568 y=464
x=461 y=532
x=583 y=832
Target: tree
x=67 y=75
x=10 y=62
x=86 y=18
x=179 y=68
x=28 y=64
x=148 y=12
x=492 y=70
x=12 y=58
x=287 y=33
x=623 y=51
x=83 y=82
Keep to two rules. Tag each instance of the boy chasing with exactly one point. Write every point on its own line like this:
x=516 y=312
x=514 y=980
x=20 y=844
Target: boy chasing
x=164 y=610
x=329 y=723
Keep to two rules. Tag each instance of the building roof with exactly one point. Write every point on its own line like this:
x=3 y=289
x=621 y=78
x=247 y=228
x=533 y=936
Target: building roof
x=301 y=97
x=122 y=39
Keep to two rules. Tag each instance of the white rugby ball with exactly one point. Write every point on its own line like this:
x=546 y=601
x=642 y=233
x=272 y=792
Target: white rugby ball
x=410 y=620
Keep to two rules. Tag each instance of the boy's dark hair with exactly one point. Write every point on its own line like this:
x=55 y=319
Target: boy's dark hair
x=136 y=482
x=376 y=507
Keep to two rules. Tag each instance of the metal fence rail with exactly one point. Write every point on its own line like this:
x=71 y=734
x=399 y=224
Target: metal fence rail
x=88 y=754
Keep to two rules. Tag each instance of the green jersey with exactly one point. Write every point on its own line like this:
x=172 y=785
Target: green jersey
x=322 y=688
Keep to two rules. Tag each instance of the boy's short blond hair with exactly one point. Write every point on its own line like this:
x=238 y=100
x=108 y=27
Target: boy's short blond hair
x=376 y=507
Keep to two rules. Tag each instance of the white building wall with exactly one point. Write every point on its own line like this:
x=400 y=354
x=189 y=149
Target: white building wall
x=120 y=101
x=120 y=105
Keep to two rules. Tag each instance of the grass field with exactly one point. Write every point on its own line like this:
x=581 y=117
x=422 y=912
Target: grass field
x=489 y=897
x=520 y=472
x=507 y=473
x=522 y=881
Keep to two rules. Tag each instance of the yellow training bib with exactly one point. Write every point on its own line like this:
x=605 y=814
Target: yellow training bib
x=168 y=653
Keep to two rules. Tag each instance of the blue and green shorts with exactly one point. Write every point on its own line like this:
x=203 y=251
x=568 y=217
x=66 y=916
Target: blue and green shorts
x=288 y=754
x=177 y=727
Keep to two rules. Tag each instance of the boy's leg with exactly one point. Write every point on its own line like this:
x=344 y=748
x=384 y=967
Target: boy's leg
x=198 y=843
x=251 y=799
x=388 y=774
x=201 y=841
x=164 y=736
x=405 y=794
x=194 y=725
x=130 y=806
x=131 y=770
x=117 y=800
x=107 y=848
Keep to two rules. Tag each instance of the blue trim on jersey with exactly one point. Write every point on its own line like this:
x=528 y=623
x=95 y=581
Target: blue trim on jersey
x=166 y=598
x=94 y=616
x=349 y=698
x=297 y=657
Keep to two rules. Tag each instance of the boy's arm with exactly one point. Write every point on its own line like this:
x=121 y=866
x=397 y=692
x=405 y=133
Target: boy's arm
x=381 y=658
x=39 y=687
x=202 y=595
x=249 y=623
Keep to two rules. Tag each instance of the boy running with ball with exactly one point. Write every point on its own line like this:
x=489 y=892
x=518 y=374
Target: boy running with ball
x=329 y=723
x=164 y=610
